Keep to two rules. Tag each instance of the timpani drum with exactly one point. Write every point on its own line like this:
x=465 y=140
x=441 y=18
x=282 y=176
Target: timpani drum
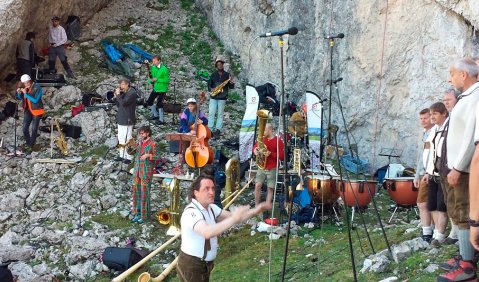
x=322 y=189
x=356 y=190
x=401 y=190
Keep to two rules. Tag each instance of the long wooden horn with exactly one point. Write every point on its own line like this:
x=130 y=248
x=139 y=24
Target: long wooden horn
x=132 y=269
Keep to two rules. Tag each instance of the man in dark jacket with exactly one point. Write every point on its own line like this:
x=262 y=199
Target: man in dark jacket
x=217 y=103
x=26 y=55
x=125 y=97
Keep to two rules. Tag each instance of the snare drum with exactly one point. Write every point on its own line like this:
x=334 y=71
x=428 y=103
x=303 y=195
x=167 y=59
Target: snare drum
x=322 y=189
x=357 y=190
x=402 y=190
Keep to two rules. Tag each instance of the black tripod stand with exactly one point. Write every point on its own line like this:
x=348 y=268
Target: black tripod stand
x=15 y=118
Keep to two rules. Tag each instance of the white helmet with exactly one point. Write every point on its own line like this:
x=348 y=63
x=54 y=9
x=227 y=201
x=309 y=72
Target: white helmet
x=24 y=78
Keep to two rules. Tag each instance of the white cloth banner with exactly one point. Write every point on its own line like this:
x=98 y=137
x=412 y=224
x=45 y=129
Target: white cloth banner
x=313 y=113
x=246 y=136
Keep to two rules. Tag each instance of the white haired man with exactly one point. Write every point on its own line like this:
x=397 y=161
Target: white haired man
x=460 y=149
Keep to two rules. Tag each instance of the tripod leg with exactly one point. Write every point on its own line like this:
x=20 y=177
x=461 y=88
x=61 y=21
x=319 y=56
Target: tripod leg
x=394 y=212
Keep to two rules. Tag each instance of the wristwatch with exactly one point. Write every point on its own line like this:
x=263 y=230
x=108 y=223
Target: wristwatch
x=473 y=223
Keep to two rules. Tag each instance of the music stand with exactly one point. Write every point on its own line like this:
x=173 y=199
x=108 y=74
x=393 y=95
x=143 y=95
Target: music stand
x=390 y=153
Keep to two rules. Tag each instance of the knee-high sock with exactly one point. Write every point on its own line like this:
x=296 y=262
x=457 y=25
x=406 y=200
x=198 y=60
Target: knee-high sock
x=465 y=248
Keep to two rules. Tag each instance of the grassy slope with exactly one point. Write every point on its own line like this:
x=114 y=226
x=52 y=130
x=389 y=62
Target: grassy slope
x=243 y=257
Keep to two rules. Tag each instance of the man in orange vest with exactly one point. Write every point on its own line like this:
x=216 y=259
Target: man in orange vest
x=31 y=96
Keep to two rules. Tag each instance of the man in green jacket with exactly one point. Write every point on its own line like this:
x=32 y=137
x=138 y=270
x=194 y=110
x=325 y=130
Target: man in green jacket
x=160 y=77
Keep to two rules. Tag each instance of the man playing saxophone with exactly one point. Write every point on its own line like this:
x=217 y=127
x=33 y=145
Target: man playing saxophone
x=218 y=101
x=146 y=154
x=267 y=151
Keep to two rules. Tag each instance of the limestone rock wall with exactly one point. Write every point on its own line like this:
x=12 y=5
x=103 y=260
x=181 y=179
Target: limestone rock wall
x=421 y=38
x=17 y=17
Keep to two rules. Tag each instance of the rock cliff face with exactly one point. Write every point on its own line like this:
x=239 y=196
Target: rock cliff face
x=394 y=58
x=17 y=17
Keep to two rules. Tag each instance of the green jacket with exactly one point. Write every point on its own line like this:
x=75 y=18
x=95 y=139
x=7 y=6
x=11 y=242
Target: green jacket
x=162 y=76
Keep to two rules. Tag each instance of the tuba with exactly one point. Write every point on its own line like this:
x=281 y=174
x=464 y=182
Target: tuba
x=219 y=89
x=167 y=216
x=263 y=116
x=61 y=142
x=232 y=171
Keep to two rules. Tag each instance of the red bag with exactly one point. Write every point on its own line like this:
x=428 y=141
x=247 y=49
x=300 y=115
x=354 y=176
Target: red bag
x=77 y=109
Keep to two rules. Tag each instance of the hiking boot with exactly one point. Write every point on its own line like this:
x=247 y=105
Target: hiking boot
x=450 y=241
x=465 y=271
x=152 y=118
x=36 y=148
x=118 y=159
x=125 y=161
x=450 y=264
x=435 y=243
x=427 y=238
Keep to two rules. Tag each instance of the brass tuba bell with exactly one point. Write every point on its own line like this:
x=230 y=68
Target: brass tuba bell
x=171 y=216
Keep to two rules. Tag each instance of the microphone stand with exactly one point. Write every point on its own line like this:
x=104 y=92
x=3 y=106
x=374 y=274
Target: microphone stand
x=15 y=118
x=285 y=162
x=331 y=45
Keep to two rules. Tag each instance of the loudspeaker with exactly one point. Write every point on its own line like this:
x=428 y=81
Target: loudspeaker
x=120 y=259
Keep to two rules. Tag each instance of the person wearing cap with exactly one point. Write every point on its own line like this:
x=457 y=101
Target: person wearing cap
x=187 y=118
x=57 y=37
x=217 y=103
x=160 y=77
x=31 y=96
x=125 y=98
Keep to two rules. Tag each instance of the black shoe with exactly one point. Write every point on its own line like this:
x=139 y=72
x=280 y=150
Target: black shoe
x=71 y=75
x=427 y=238
x=450 y=241
x=118 y=159
x=159 y=122
x=152 y=118
x=127 y=161
x=217 y=133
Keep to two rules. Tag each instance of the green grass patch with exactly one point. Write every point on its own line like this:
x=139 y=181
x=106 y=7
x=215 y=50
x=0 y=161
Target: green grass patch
x=112 y=220
x=187 y=4
x=99 y=151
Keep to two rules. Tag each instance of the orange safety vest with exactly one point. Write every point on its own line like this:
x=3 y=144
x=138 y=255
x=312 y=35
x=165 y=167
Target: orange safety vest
x=27 y=103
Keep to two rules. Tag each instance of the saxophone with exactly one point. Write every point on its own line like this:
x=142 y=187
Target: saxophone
x=263 y=116
x=171 y=216
x=232 y=171
x=220 y=88
x=61 y=142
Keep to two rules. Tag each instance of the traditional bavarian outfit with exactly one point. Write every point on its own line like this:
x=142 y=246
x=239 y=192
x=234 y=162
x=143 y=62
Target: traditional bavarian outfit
x=195 y=261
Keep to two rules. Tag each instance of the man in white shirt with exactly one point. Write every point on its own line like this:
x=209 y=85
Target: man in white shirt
x=460 y=149
x=201 y=222
x=57 y=37
x=424 y=213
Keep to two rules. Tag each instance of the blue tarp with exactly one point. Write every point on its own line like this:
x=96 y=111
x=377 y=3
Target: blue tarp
x=144 y=55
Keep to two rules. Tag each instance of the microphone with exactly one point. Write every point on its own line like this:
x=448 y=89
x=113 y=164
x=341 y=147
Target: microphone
x=340 y=35
x=290 y=31
x=328 y=82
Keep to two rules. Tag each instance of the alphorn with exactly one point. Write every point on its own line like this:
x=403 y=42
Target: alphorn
x=146 y=277
x=132 y=269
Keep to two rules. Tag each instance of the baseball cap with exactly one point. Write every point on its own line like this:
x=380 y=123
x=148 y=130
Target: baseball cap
x=219 y=59
x=55 y=18
x=191 y=100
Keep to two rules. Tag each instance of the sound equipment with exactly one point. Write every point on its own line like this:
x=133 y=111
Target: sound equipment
x=120 y=259
x=45 y=79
